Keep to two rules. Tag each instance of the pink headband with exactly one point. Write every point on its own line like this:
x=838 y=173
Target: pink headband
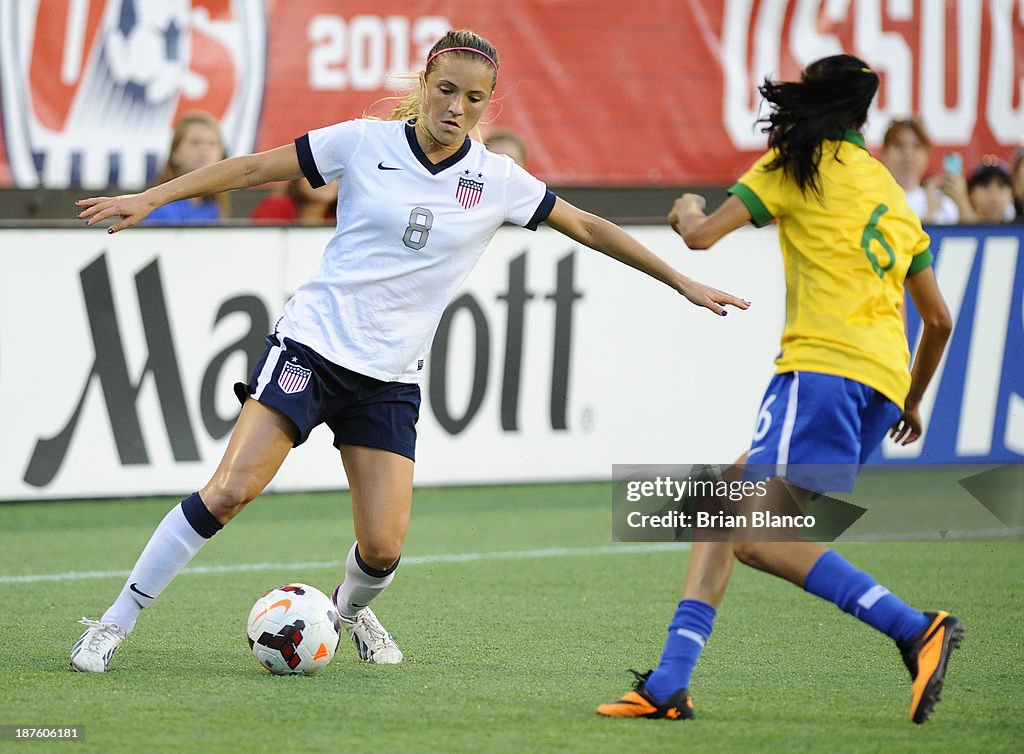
x=467 y=49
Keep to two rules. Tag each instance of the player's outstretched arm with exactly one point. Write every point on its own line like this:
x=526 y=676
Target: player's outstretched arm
x=936 y=328
x=608 y=238
x=281 y=164
x=700 y=231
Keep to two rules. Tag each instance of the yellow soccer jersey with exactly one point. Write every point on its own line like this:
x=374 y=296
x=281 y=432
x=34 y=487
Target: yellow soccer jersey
x=846 y=256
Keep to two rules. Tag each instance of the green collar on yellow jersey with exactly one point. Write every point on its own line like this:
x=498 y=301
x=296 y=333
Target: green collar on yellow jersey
x=851 y=135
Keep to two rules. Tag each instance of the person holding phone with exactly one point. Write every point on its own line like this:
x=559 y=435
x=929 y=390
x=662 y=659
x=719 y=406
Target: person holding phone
x=906 y=152
x=953 y=163
x=954 y=184
x=986 y=196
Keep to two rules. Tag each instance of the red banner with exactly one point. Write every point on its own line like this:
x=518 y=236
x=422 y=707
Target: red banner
x=660 y=92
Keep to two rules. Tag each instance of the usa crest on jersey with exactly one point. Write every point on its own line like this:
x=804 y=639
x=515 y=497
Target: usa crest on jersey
x=92 y=88
x=469 y=191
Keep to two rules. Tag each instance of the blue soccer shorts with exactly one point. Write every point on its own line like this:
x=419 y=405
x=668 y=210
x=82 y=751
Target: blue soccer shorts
x=816 y=430
x=310 y=390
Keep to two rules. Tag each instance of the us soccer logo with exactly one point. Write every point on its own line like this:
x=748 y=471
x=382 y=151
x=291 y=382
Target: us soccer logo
x=468 y=192
x=92 y=88
x=293 y=377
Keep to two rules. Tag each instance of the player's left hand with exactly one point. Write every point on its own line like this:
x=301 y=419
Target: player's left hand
x=907 y=429
x=710 y=298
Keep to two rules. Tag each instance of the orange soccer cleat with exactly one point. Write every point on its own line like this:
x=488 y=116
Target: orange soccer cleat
x=638 y=703
x=926 y=657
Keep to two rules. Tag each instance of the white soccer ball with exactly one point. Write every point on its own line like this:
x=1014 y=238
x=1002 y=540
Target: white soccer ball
x=294 y=628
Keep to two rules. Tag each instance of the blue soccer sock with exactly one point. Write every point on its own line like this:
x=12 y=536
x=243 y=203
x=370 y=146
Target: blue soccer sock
x=689 y=631
x=834 y=579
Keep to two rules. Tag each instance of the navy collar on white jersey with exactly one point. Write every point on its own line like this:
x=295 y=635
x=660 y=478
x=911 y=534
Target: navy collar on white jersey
x=434 y=168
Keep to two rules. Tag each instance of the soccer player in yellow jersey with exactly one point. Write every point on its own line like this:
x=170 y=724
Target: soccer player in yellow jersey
x=850 y=246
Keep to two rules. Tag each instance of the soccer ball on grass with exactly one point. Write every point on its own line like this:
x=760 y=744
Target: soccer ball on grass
x=294 y=629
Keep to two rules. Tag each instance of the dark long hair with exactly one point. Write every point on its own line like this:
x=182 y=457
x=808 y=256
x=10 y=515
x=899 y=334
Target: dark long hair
x=832 y=96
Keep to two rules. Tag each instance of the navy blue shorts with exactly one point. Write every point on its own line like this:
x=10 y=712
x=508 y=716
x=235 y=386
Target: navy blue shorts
x=816 y=430
x=310 y=390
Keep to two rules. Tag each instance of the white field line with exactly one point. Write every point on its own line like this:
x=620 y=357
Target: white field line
x=412 y=560
x=993 y=535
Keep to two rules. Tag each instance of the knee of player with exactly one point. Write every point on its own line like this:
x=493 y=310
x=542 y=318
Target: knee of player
x=749 y=553
x=380 y=552
x=225 y=501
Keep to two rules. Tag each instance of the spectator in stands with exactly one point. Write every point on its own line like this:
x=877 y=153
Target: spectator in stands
x=906 y=151
x=1017 y=162
x=299 y=203
x=990 y=189
x=197 y=142
x=987 y=196
x=507 y=141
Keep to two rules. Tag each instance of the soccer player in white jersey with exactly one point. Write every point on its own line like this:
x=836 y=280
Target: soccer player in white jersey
x=418 y=203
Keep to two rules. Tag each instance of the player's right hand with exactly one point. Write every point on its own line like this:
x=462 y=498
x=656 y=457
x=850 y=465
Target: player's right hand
x=685 y=210
x=710 y=297
x=130 y=208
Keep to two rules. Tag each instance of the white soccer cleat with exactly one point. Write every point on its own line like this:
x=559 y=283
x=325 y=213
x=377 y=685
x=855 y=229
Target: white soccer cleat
x=94 y=648
x=372 y=640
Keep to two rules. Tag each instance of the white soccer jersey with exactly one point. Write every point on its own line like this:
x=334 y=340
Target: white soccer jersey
x=409 y=232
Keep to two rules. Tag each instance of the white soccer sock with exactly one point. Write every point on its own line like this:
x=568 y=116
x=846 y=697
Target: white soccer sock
x=363 y=584
x=174 y=543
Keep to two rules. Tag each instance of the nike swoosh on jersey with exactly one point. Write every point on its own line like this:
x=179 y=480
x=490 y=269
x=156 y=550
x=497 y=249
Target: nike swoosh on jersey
x=139 y=591
x=382 y=166
x=758 y=449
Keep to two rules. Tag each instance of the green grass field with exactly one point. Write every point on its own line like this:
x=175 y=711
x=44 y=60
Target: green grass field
x=531 y=619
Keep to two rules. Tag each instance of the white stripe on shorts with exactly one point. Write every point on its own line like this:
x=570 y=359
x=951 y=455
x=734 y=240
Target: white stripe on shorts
x=267 y=373
x=786 y=434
